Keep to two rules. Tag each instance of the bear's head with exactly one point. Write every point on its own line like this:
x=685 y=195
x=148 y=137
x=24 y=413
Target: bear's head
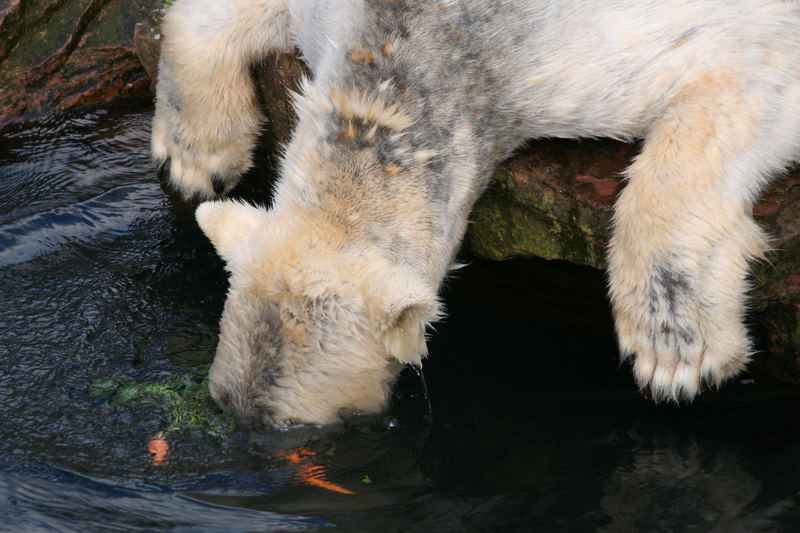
x=315 y=325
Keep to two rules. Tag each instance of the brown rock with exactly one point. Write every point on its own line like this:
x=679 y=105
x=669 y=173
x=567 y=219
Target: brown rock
x=56 y=54
x=147 y=47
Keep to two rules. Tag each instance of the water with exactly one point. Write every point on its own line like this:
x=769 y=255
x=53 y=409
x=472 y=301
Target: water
x=532 y=425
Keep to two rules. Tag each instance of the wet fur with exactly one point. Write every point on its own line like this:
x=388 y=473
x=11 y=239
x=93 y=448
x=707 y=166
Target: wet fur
x=411 y=105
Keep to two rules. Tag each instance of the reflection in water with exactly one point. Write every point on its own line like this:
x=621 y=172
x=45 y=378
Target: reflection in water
x=678 y=485
x=526 y=424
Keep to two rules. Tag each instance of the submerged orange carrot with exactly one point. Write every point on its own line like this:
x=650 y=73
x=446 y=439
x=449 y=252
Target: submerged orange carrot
x=159 y=447
x=309 y=473
x=315 y=475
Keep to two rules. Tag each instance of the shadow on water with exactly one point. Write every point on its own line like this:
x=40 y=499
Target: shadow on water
x=533 y=426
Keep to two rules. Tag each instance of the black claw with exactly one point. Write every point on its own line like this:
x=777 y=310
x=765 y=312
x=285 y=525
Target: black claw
x=163 y=170
x=218 y=183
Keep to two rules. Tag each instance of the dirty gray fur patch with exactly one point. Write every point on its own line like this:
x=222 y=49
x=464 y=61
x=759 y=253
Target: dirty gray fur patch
x=399 y=249
x=452 y=33
x=186 y=147
x=673 y=285
x=174 y=100
x=393 y=16
x=684 y=334
x=265 y=342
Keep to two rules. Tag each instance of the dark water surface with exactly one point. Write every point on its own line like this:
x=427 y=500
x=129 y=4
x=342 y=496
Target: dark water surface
x=533 y=425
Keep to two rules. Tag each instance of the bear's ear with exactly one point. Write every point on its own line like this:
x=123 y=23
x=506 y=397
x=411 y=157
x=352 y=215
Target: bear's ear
x=401 y=324
x=228 y=223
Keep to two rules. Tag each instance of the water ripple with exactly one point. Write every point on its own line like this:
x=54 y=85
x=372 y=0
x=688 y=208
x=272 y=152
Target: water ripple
x=112 y=212
x=35 y=502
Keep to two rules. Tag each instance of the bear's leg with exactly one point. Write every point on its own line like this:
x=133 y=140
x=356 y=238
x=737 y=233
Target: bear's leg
x=683 y=231
x=207 y=117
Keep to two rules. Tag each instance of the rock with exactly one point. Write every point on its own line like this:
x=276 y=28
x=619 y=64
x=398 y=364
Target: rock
x=57 y=54
x=552 y=200
x=147 y=48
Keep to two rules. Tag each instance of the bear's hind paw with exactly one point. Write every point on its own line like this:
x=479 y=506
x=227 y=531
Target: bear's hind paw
x=682 y=372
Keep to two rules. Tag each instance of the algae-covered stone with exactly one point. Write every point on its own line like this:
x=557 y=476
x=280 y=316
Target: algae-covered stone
x=552 y=200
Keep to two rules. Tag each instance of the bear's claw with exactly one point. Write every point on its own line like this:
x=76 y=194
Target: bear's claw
x=162 y=172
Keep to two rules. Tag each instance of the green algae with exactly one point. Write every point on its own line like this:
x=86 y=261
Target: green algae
x=40 y=36
x=506 y=225
x=114 y=24
x=184 y=399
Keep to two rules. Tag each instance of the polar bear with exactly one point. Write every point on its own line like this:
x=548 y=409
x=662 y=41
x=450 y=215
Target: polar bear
x=409 y=107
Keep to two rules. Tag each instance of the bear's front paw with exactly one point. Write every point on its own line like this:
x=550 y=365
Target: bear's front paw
x=204 y=143
x=680 y=340
x=199 y=168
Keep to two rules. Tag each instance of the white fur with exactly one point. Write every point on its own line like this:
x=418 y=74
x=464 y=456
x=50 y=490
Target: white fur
x=346 y=264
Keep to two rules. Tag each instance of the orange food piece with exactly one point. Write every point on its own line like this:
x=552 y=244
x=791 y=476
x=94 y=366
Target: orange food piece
x=309 y=473
x=159 y=447
x=297 y=455
x=315 y=475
